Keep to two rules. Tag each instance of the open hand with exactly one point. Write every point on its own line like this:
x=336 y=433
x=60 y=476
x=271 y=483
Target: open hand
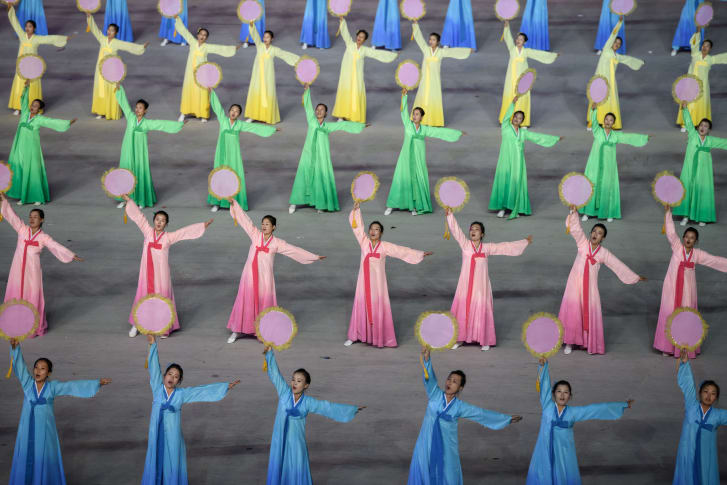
x=642 y=278
x=542 y=361
x=73 y=121
x=428 y=253
x=77 y=258
x=233 y=384
x=320 y=258
x=126 y=197
x=207 y=224
x=146 y=44
x=629 y=402
x=425 y=352
x=105 y=381
x=515 y=418
x=267 y=349
x=150 y=338
x=360 y=408
x=530 y=238
x=14 y=342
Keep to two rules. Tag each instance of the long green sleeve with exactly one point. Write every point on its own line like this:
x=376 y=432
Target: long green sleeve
x=630 y=62
x=53 y=123
x=164 y=125
x=446 y=134
x=508 y=115
x=720 y=143
x=124 y=103
x=541 y=56
x=594 y=122
x=217 y=106
x=259 y=129
x=540 y=138
x=347 y=126
x=405 y=109
x=24 y=105
x=310 y=114
x=634 y=139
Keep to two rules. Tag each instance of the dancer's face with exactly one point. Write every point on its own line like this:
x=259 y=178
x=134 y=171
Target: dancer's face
x=160 y=222
x=29 y=29
x=34 y=220
x=374 y=232
x=360 y=39
x=703 y=128
x=453 y=384
x=689 y=239
x=111 y=32
x=433 y=42
x=40 y=371
x=561 y=395
x=616 y=44
x=171 y=378
x=416 y=116
x=608 y=122
x=234 y=113
x=320 y=113
x=708 y=395
x=267 y=227
x=520 y=40
x=476 y=234
x=202 y=36
x=706 y=46
x=517 y=119
x=597 y=235
x=34 y=108
x=267 y=39
x=298 y=384
x=139 y=110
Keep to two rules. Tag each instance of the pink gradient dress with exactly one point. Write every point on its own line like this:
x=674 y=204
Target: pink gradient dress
x=472 y=303
x=371 y=319
x=156 y=277
x=580 y=310
x=681 y=275
x=257 y=283
x=25 y=280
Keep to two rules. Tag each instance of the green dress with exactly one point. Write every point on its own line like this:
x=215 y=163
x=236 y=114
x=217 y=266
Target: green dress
x=228 y=148
x=602 y=169
x=410 y=187
x=314 y=183
x=510 y=187
x=30 y=183
x=135 y=149
x=697 y=174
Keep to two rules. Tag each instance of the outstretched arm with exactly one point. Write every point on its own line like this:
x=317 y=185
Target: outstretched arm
x=297 y=254
x=343 y=413
x=205 y=393
x=164 y=125
x=623 y=272
x=541 y=56
x=408 y=255
x=84 y=388
x=281 y=386
x=419 y=38
x=347 y=126
x=633 y=139
x=244 y=220
x=58 y=250
x=9 y=214
x=192 y=231
x=630 y=62
x=155 y=369
x=132 y=210
x=456 y=230
x=604 y=411
x=54 y=123
x=542 y=139
x=446 y=134
x=358 y=231
x=512 y=248
x=457 y=52
x=485 y=417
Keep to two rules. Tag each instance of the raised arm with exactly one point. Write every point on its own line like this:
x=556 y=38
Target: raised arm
x=506 y=120
x=192 y=231
x=408 y=255
x=507 y=36
x=255 y=36
x=310 y=114
x=603 y=411
x=574 y=223
x=124 y=103
x=132 y=210
x=164 y=125
x=61 y=252
x=345 y=34
x=419 y=39
x=205 y=393
x=694 y=46
x=83 y=388
x=446 y=134
x=630 y=62
x=295 y=253
x=244 y=220
x=685 y=379
x=595 y=127
x=217 y=107
x=358 y=231
x=430 y=385
x=541 y=139
x=14 y=23
x=343 y=413
x=19 y=367
x=546 y=396
x=347 y=126
x=456 y=230
x=94 y=28
x=12 y=218
x=612 y=38
x=671 y=233
x=24 y=103
x=281 y=386
x=405 y=116
x=485 y=417
x=623 y=272
x=155 y=369
x=182 y=29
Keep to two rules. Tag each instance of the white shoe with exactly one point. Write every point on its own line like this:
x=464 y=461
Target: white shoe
x=684 y=129
x=181 y=118
x=684 y=221
x=183 y=44
x=291 y=209
x=165 y=335
x=20 y=202
x=38 y=203
x=233 y=336
x=249 y=120
x=16 y=112
x=164 y=42
x=203 y=120
x=584 y=218
x=598 y=53
x=456 y=345
x=388 y=211
x=340 y=119
x=446 y=47
x=348 y=343
x=413 y=213
x=245 y=45
x=215 y=208
x=121 y=205
x=568 y=349
x=141 y=207
x=501 y=214
x=319 y=211
x=610 y=219
x=304 y=46
x=99 y=117
x=665 y=354
x=589 y=129
x=485 y=347
x=133 y=332
x=702 y=224
x=673 y=52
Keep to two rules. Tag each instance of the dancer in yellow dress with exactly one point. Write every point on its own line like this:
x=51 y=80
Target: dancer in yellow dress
x=519 y=55
x=196 y=100
x=351 y=95
x=429 y=94
x=607 y=63
x=29 y=43
x=104 y=99
x=262 y=101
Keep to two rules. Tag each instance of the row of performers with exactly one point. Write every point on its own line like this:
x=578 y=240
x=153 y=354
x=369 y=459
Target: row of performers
x=435 y=459
x=262 y=103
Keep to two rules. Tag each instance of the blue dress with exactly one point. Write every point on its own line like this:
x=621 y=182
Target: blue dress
x=32 y=10
x=288 y=464
x=554 y=459
x=605 y=26
x=259 y=25
x=166 y=455
x=37 y=456
x=314 y=31
x=436 y=454
x=459 y=26
x=387 y=31
x=697 y=462
x=166 y=28
x=686 y=27
x=118 y=13
x=535 y=24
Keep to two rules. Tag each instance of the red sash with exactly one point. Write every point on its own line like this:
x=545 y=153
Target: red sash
x=264 y=247
x=367 y=279
x=685 y=263
x=590 y=261
x=28 y=242
x=473 y=262
x=150 y=262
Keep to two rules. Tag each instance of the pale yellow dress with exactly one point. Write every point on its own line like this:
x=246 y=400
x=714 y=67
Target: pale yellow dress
x=700 y=66
x=195 y=100
x=104 y=99
x=429 y=94
x=262 y=100
x=29 y=45
x=351 y=95
x=517 y=65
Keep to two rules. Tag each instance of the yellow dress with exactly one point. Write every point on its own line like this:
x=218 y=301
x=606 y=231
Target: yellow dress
x=607 y=63
x=351 y=95
x=262 y=100
x=29 y=45
x=517 y=65
x=429 y=94
x=104 y=99
x=195 y=100
x=700 y=66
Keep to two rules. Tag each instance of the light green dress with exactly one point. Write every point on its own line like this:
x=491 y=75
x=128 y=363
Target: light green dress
x=228 y=147
x=510 y=187
x=314 y=183
x=602 y=169
x=135 y=149
x=30 y=183
x=697 y=174
x=410 y=187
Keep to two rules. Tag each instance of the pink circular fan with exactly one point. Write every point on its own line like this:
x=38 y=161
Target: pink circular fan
x=668 y=189
x=276 y=327
x=30 y=66
x=525 y=81
x=452 y=193
x=90 y=6
x=170 y=8
x=542 y=334
x=223 y=182
x=413 y=9
x=686 y=328
x=506 y=9
x=112 y=69
x=408 y=74
x=575 y=189
x=437 y=330
x=249 y=11
x=208 y=75
x=306 y=70
x=623 y=7
x=687 y=88
x=704 y=14
x=153 y=314
x=18 y=319
x=6 y=177
x=118 y=182
x=597 y=89
x=364 y=186
x=339 y=8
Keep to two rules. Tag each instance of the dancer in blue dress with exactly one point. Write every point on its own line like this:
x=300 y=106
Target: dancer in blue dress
x=117 y=13
x=606 y=24
x=314 y=31
x=436 y=453
x=459 y=26
x=245 y=36
x=170 y=34
x=33 y=10
x=387 y=30
x=686 y=27
x=535 y=24
x=37 y=456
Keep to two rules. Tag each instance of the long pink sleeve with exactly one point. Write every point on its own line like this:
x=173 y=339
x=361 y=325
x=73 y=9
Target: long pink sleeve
x=358 y=231
x=192 y=231
x=12 y=218
x=671 y=234
x=132 y=210
x=513 y=248
x=715 y=262
x=574 y=223
x=244 y=220
x=295 y=253
x=622 y=271
x=456 y=231
x=408 y=255
x=61 y=252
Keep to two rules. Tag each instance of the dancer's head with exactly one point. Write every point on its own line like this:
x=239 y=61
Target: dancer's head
x=361 y=37
x=609 y=120
x=617 y=43
x=376 y=230
x=140 y=108
x=268 y=37
x=35 y=219
x=708 y=392
x=42 y=369
x=562 y=392
x=30 y=27
x=417 y=114
x=267 y=226
x=704 y=126
x=161 y=219
x=598 y=233
x=517 y=118
x=434 y=39
x=173 y=376
x=36 y=106
x=202 y=35
x=690 y=237
x=321 y=112
x=706 y=46
x=521 y=39
x=112 y=30
x=235 y=111
x=477 y=231
x=455 y=382
x=300 y=381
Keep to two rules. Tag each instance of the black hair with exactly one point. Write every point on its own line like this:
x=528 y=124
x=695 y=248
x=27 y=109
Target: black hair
x=41 y=105
x=525 y=36
x=201 y=29
x=272 y=220
x=32 y=22
x=691 y=229
x=439 y=37
x=461 y=374
x=518 y=111
x=144 y=102
x=50 y=368
x=40 y=213
x=362 y=31
x=381 y=226
x=114 y=26
x=164 y=213
x=420 y=109
x=598 y=224
x=174 y=365
x=709 y=122
x=562 y=383
x=618 y=38
x=305 y=373
x=238 y=107
x=272 y=36
x=711 y=44
x=482 y=226
x=324 y=106
x=709 y=383
x=610 y=114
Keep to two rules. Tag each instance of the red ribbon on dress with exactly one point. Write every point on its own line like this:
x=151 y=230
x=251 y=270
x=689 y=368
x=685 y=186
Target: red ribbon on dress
x=255 y=279
x=367 y=279
x=150 y=263
x=586 y=282
x=473 y=261
x=28 y=242
x=686 y=263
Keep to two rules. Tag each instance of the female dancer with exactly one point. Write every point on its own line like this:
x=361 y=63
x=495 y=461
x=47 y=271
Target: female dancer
x=314 y=183
x=387 y=32
x=606 y=24
x=167 y=30
x=166 y=454
x=686 y=27
x=257 y=283
x=580 y=310
x=33 y=10
x=262 y=98
x=154 y=273
x=510 y=187
x=436 y=453
x=472 y=305
x=37 y=456
x=30 y=183
x=314 y=31
x=535 y=24
x=410 y=186
x=25 y=279
x=459 y=26
x=680 y=282
x=117 y=13
x=104 y=101
x=351 y=95
x=245 y=37
x=289 y=461
x=429 y=94
x=554 y=458
x=371 y=320
x=602 y=168
x=518 y=64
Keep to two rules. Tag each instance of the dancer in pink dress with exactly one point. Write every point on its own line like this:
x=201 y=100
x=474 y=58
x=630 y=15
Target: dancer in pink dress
x=580 y=310
x=154 y=273
x=25 y=280
x=472 y=303
x=257 y=284
x=680 y=282
x=371 y=320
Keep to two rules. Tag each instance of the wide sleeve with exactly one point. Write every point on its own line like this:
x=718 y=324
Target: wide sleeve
x=84 y=388
x=295 y=253
x=671 y=233
x=164 y=125
x=155 y=369
x=221 y=50
x=12 y=218
x=506 y=120
x=343 y=413
x=94 y=28
x=182 y=29
x=310 y=114
x=612 y=37
x=715 y=262
x=595 y=126
x=623 y=272
x=446 y=134
x=541 y=139
x=24 y=103
x=358 y=231
x=124 y=103
x=604 y=411
x=513 y=248
x=281 y=386
x=457 y=52
x=544 y=57
x=130 y=47
x=58 y=250
x=405 y=117
x=244 y=220
x=719 y=58
x=380 y=55
x=485 y=417
x=132 y=210
x=19 y=367
x=507 y=37
x=14 y=23
x=633 y=139
x=430 y=385
x=259 y=129
x=456 y=231
x=192 y=231
x=419 y=38
x=54 y=123
x=573 y=222
x=408 y=255
x=217 y=107
x=630 y=62
x=546 y=395
x=716 y=142
x=286 y=56
x=256 y=36
x=56 y=40
x=347 y=126
x=345 y=34
x=205 y=393
x=694 y=43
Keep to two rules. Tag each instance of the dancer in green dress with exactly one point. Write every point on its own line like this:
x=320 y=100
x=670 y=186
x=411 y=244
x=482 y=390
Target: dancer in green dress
x=228 y=146
x=135 y=148
x=410 y=186
x=30 y=183
x=314 y=183
x=602 y=169
x=510 y=187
